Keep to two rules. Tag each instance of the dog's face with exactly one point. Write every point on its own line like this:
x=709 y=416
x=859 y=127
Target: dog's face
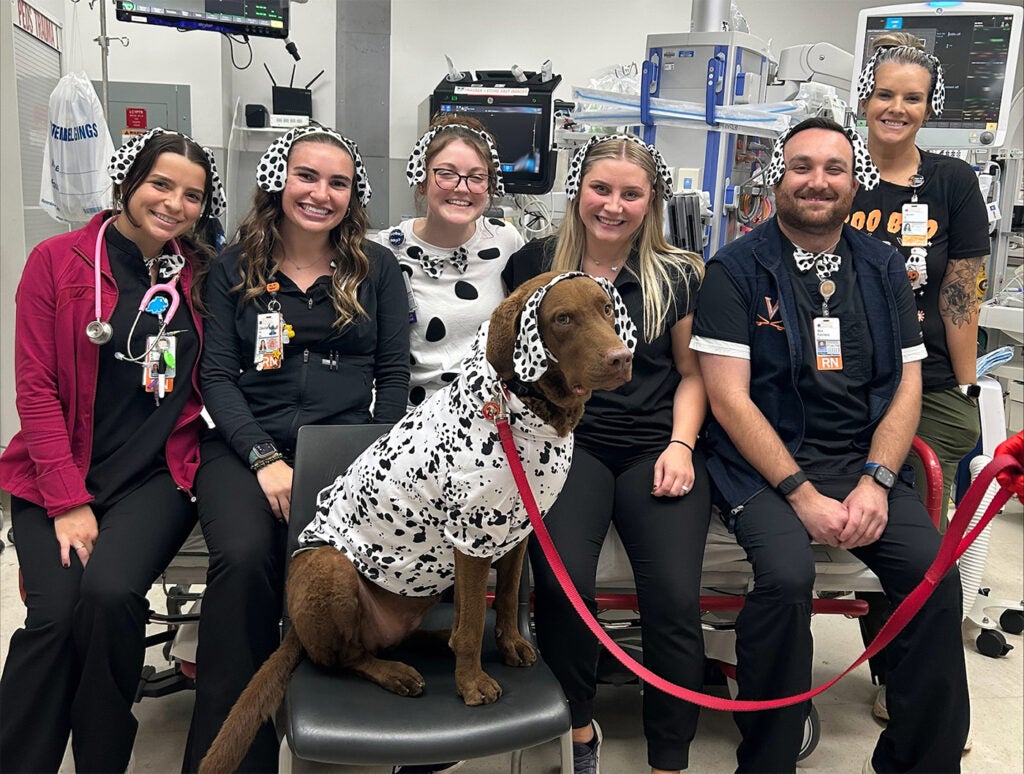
x=577 y=325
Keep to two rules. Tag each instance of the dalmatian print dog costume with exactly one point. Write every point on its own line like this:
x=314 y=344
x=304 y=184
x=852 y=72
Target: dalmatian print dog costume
x=439 y=480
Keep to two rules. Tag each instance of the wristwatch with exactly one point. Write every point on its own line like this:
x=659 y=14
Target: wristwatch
x=971 y=390
x=789 y=484
x=261 y=451
x=880 y=474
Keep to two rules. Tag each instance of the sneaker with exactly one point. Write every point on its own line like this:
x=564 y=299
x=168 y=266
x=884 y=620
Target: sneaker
x=585 y=755
x=879 y=710
x=428 y=768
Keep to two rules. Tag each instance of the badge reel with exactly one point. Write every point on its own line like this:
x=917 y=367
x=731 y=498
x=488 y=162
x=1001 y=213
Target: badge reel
x=272 y=333
x=828 y=345
x=158 y=361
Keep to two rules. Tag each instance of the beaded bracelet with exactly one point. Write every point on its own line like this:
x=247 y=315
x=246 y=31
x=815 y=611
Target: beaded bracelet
x=682 y=443
x=260 y=464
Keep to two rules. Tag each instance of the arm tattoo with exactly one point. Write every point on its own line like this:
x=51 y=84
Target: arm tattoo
x=958 y=295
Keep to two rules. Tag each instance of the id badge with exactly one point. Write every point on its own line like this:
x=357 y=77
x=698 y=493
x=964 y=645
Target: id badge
x=269 y=350
x=914 y=230
x=828 y=346
x=159 y=368
x=409 y=296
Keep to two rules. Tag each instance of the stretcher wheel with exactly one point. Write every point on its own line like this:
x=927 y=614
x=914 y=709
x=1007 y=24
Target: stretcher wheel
x=10 y=536
x=1012 y=621
x=812 y=734
x=992 y=643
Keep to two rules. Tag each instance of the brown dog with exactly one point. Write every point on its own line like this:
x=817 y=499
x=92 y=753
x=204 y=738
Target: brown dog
x=550 y=343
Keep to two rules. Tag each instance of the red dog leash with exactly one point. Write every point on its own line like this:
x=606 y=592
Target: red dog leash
x=1008 y=466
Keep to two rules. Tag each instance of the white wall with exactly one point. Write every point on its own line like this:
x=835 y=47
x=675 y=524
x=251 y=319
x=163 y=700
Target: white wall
x=578 y=36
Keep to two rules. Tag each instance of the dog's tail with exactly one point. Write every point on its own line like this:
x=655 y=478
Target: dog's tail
x=256 y=704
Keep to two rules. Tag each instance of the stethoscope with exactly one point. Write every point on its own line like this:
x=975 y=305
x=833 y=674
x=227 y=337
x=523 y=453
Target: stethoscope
x=99 y=331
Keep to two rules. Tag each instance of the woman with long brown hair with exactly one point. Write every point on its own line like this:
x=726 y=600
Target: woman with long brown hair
x=100 y=475
x=308 y=326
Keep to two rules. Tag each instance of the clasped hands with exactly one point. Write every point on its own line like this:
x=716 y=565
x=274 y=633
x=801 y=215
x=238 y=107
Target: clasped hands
x=857 y=521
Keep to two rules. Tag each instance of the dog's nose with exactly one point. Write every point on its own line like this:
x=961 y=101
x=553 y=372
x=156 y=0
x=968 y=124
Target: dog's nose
x=618 y=358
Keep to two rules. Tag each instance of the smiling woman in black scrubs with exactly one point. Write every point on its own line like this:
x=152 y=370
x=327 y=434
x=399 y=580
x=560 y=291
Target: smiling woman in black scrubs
x=309 y=325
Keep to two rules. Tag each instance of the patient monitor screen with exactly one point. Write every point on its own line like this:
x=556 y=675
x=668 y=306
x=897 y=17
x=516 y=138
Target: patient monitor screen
x=520 y=132
x=978 y=52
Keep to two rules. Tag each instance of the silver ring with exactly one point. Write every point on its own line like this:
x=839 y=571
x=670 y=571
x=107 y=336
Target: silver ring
x=79 y=547
x=685 y=488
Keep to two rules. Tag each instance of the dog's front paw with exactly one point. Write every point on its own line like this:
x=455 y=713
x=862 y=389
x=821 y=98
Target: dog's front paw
x=480 y=688
x=516 y=650
x=399 y=678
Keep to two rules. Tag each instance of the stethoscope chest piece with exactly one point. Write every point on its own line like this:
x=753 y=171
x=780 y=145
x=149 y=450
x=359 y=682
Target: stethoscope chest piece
x=99 y=332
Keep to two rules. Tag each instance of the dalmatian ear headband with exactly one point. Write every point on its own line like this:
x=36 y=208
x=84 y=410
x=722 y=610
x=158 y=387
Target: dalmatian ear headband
x=123 y=159
x=572 y=178
x=864 y=168
x=530 y=357
x=416 y=171
x=273 y=167
x=866 y=81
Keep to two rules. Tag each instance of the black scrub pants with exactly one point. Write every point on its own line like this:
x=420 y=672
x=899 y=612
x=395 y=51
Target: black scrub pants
x=664 y=538
x=927 y=682
x=75 y=667
x=239 y=626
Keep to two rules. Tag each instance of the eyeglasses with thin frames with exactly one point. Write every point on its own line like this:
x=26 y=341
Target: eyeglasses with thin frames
x=449 y=180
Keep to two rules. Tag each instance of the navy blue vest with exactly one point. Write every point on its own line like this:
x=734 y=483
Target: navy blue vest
x=776 y=352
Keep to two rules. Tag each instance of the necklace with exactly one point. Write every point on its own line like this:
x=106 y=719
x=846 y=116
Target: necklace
x=612 y=267
x=303 y=267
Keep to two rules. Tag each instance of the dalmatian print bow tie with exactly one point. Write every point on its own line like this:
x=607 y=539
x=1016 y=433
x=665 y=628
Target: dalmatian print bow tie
x=824 y=264
x=433 y=265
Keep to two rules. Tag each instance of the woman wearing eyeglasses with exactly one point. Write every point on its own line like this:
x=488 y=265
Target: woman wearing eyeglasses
x=452 y=258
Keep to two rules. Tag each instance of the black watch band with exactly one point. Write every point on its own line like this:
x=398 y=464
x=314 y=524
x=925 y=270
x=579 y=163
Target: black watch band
x=786 y=486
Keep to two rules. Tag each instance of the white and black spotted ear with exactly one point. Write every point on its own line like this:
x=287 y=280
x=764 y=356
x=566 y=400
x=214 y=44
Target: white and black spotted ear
x=864 y=169
x=624 y=327
x=529 y=355
x=416 y=170
x=574 y=175
x=272 y=170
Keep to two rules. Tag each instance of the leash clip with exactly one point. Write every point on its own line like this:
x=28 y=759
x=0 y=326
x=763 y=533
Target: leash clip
x=496 y=410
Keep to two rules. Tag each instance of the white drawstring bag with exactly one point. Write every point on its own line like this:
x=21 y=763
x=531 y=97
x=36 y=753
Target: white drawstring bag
x=75 y=184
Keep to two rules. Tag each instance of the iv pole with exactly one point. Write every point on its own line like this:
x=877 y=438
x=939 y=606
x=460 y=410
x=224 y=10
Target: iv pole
x=103 y=41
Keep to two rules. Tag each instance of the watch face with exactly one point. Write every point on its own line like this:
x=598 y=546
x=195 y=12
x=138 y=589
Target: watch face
x=263 y=449
x=885 y=477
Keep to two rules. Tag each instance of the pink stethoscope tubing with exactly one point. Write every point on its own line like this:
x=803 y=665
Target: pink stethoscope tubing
x=163 y=287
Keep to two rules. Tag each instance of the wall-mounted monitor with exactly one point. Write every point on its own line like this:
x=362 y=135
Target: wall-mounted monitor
x=258 y=18
x=977 y=44
x=518 y=115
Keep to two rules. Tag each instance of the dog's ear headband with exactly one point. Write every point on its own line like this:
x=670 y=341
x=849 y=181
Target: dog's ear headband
x=864 y=168
x=124 y=157
x=273 y=167
x=866 y=81
x=530 y=358
x=416 y=171
x=572 y=178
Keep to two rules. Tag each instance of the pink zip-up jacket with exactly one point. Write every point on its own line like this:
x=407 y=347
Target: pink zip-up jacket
x=56 y=368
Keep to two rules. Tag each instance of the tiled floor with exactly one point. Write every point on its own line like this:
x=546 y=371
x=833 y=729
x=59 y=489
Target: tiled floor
x=848 y=730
